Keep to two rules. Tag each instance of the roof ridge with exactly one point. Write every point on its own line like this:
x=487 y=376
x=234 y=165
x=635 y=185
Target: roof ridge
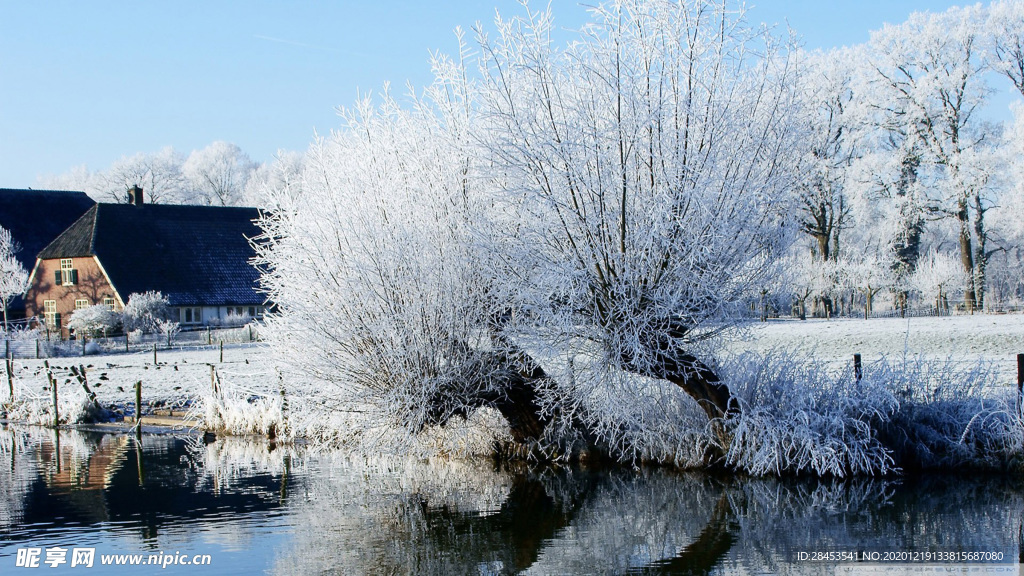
x=92 y=234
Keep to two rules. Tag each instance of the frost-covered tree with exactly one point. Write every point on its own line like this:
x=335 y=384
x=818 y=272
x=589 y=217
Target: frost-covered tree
x=158 y=174
x=13 y=277
x=646 y=168
x=91 y=320
x=217 y=175
x=1004 y=28
x=929 y=77
x=614 y=201
x=938 y=277
x=145 y=310
x=284 y=172
x=373 y=266
x=828 y=96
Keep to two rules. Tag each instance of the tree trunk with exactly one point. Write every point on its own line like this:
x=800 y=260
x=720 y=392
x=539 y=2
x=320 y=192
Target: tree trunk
x=981 y=257
x=699 y=382
x=966 y=255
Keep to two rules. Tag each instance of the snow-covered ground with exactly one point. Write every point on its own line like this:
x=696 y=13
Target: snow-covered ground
x=178 y=377
x=996 y=338
x=181 y=376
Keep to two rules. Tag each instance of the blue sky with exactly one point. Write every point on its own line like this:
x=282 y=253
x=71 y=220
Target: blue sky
x=89 y=82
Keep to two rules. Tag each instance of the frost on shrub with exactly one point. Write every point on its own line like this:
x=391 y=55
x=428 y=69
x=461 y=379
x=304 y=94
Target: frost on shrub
x=145 y=310
x=797 y=417
x=94 y=320
x=902 y=415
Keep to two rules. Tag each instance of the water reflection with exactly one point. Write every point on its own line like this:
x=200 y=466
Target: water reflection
x=287 y=511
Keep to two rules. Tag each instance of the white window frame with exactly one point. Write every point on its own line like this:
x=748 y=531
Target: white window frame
x=109 y=303
x=66 y=266
x=50 y=312
x=81 y=303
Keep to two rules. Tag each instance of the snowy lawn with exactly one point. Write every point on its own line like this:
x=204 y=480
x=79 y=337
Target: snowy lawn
x=175 y=382
x=996 y=338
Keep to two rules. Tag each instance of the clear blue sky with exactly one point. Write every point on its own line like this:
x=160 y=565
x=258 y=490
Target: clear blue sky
x=87 y=82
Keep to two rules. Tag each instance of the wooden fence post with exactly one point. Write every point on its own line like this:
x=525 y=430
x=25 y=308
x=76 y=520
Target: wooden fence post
x=138 y=402
x=9 y=364
x=126 y=349
x=37 y=349
x=222 y=351
x=53 y=391
x=858 y=370
x=213 y=380
x=154 y=354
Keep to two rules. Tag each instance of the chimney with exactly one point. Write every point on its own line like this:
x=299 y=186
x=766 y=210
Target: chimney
x=135 y=195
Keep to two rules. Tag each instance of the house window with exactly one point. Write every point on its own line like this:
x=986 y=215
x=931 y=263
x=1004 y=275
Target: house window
x=109 y=303
x=191 y=315
x=50 y=315
x=79 y=304
x=67 y=275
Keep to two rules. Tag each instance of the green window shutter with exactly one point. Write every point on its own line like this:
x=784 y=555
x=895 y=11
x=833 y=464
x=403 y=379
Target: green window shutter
x=56 y=320
x=74 y=276
x=57 y=277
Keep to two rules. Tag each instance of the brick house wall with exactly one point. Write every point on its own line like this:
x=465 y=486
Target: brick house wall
x=86 y=286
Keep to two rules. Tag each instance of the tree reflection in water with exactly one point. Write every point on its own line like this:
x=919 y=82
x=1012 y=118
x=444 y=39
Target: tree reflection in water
x=328 y=514
x=462 y=518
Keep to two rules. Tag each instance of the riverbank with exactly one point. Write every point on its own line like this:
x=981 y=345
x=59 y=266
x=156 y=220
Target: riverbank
x=800 y=396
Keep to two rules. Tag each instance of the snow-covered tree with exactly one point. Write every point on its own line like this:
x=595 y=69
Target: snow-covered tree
x=13 y=277
x=158 y=174
x=1004 y=28
x=145 y=310
x=92 y=320
x=929 y=80
x=622 y=196
x=938 y=277
x=647 y=166
x=373 y=266
x=217 y=175
x=284 y=172
x=828 y=97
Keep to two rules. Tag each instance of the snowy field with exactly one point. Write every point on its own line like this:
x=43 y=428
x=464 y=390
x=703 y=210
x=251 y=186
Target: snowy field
x=182 y=376
x=996 y=338
x=174 y=382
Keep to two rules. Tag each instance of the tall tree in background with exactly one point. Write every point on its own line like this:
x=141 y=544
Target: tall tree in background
x=217 y=175
x=1005 y=30
x=929 y=76
x=158 y=174
x=828 y=96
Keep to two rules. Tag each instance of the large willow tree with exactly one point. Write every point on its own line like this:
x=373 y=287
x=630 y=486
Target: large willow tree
x=613 y=201
x=648 y=166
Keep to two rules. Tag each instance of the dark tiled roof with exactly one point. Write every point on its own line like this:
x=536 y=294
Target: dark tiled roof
x=36 y=217
x=194 y=255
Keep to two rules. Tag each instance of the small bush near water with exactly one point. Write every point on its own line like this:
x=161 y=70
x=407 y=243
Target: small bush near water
x=903 y=415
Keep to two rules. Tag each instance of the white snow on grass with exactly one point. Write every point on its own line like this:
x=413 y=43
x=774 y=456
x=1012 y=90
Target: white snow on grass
x=996 y=338
x=177 y=379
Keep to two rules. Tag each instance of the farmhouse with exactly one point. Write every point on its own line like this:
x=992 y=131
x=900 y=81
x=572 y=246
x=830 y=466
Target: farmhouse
x=34 y=218
x=197 y=256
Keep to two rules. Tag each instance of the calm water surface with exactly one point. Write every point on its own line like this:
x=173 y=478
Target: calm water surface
x=254 y=509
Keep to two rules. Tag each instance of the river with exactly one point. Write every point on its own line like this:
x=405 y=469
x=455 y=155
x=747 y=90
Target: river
x=180 y=505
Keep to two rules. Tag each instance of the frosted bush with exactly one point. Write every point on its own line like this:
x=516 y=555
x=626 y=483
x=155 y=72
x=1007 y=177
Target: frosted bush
x=797 y=417
x=144 y=311
x=903 y=414
x=72 y=404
